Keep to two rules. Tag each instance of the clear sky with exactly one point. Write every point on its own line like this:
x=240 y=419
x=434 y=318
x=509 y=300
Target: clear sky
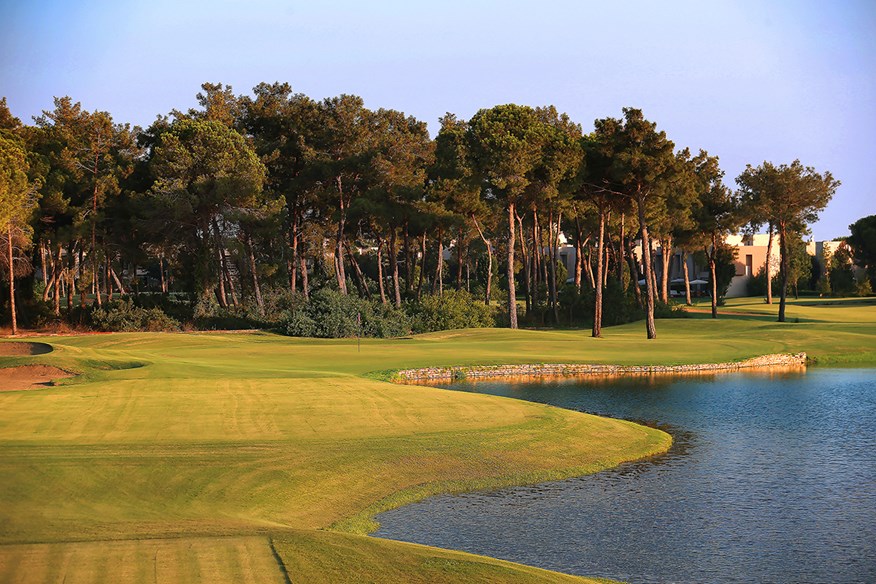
x=748 y=81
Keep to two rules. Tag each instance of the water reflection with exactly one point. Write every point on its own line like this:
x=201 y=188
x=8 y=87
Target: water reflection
x=771 y=479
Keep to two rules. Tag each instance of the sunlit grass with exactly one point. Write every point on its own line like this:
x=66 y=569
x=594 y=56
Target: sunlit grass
x=245 y=439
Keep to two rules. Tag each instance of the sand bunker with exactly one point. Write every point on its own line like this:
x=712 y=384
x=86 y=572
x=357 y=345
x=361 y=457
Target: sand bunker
x=30 y=377
x=18 y=349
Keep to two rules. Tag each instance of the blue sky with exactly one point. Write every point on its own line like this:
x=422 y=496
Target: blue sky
x=748 y=81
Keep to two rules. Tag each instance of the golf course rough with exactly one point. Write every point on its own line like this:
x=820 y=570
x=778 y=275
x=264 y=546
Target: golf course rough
x=229 y=458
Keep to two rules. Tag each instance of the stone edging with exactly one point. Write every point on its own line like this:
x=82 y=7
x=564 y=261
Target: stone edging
x=569 y=370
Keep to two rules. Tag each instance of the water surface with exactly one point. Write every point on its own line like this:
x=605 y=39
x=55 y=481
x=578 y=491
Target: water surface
x=772 y=478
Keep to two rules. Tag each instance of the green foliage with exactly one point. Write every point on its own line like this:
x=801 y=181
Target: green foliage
x=757 y=284
x=863 y=243
x=15 y=199
x=725 y=256
x=789 y=197
x=452 y=310
x=331 y=314
x=124 y=316
x=618 y=305
x=842 y=273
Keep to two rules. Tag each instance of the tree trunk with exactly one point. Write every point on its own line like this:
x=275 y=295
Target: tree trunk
x=555 y=245
x=80 y=267
x=10 y=258
x=543 y=250
x=305 y=280
x=380 y=285
x=71 y=274
x=118 y=282
x=58 y=270
x=634 y=276
x=409 y=276
x=340 y=273
x=783 y=270
x=222 y=295
x=107 y=280
x=621 y=260
x=161 y=274
x=589 y=265
x=44 y=269
x=686 y=278
x=579 y=251
x=255 y=275
x=666 y=244
x=340 y=269
x=525 y=257
x=422 y=267
x=649 y=284
x=486 y=241
x=769 y=266
x=552 y=267
x=93 y=251
x=393 y=264
x=512 y=292
x=597 y=303
x=536 y=259
x=293 y=265
x=361 y=284
x=713 y=271
x=52 y=281
x=459 y=239
x=231 y=287
x=438 y=283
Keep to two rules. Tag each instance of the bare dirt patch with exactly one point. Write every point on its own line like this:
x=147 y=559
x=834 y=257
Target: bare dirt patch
x=30 y=377
x=19 y=349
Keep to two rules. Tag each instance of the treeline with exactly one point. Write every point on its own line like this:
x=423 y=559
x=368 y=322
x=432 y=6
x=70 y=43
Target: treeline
x=241 y=210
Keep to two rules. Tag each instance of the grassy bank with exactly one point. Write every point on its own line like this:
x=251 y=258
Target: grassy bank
x=228 y=457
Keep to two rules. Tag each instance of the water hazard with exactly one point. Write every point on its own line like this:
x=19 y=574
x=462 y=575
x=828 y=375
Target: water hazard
x=772 y=479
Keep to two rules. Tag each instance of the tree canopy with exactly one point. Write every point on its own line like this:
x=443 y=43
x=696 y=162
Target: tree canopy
x=242 y=208
x=789 y=196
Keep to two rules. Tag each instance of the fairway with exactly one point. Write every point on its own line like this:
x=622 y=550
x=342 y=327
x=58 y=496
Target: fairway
x=255 y=457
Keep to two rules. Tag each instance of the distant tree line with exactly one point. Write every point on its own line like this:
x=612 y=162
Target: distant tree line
x=244 y=209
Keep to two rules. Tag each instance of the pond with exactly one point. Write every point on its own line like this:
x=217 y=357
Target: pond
x=772 y=478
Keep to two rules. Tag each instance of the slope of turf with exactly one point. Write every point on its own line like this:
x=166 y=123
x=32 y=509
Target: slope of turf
x=254 y=441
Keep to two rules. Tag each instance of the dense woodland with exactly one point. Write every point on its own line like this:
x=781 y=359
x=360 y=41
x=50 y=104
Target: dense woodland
x=327 y=218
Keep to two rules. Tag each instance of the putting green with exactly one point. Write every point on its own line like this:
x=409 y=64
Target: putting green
x=233 y=457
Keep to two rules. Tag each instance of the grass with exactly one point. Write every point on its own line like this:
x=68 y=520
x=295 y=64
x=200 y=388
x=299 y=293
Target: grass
x=231 y=458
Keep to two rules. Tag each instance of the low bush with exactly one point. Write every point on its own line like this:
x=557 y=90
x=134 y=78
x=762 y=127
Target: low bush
x=619 y=306
x=454 y=309
x=331 y=314
x=124 y=316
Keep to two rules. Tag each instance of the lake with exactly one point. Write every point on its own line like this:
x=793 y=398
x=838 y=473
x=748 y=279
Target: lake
x=772 y=478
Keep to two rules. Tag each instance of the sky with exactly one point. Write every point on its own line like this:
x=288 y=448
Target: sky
x=747 y=81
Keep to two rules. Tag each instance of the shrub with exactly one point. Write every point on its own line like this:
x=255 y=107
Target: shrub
x=669 y=310
x=208 y=315
x=331 y=314
x=618 y=305
x=455 y=309
x=124 y=316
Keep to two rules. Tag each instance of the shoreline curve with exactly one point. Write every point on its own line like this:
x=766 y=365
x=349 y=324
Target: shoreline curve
x=776 y=360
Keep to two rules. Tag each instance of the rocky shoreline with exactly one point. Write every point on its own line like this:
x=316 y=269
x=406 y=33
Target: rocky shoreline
x=573 y=370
